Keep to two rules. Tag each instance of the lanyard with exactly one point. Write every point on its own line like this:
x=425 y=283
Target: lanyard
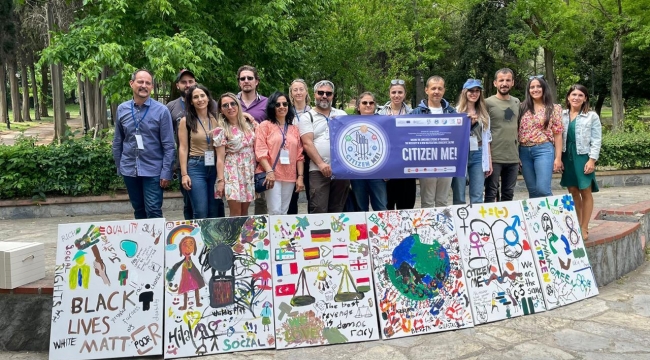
x=135 y=120
x=284 y=133
x=207 y=137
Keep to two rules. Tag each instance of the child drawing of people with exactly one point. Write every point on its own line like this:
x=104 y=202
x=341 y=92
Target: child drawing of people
x=266 y=315
x=191 y=277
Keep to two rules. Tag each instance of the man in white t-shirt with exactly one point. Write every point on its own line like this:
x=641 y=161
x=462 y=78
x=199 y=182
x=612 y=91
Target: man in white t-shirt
x=434 y=192
x=326 y=194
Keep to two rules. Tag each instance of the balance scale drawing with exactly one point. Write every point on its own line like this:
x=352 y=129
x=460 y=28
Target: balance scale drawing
x=342 y=295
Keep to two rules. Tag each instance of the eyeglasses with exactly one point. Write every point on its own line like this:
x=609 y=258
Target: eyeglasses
x=397 y=82
x=326 y=93
x=366 y=103
x=281 y=104
x=244 y=78
x=229 y=105
x=536 y=77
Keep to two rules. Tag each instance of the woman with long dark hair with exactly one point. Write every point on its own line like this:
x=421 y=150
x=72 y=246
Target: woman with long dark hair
x=234 y=140
x=582 y=137
x=197 y=155
x=540 y=138
x=279 y=153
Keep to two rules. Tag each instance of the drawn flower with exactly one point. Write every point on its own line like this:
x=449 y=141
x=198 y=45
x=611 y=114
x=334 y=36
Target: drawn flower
x=567 y=202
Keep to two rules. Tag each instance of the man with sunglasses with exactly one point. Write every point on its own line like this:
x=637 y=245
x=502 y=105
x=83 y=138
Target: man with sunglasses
x=326 y=195
x=254 y=104
x=504 y=112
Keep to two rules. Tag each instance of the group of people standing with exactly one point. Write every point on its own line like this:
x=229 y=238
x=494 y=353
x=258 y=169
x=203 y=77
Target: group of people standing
x=226 y=145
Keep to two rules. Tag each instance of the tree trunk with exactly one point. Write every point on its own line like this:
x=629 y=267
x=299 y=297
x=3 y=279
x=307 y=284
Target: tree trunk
x=102 y=100
x=25 y=86
x=58 y=96
x=600 y=100
x=15 y=95
x=4 y=111
x=419 y=79
x=90 y=109
x=617 y=83
x=82 y=103
x=45 y=85
x=32 y=77
x=549 y=57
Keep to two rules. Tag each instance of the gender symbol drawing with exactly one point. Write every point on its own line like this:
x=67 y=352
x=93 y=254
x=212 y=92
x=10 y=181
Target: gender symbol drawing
x=322 y=280
x=218 y=297
x=418 y=272
x=560 y=256
x=108 y=290
x=498 y=263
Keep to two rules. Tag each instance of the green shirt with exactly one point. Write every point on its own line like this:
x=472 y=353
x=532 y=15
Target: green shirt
x=503 y=118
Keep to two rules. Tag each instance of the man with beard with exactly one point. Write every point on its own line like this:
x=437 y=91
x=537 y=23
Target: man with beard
x=143 y=147
x=504 y=112
x=326 y=195
x=254 y=104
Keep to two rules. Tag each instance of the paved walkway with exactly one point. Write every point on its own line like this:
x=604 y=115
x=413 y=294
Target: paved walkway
x=613 y=325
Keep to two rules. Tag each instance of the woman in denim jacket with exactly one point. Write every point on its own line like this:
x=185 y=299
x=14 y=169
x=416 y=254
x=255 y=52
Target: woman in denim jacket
x=581 y=141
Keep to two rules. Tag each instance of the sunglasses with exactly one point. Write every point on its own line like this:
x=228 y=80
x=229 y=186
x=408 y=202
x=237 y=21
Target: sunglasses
x=244 y=78
x=326 y=93
x=366 y=103
x=229 y=105
x=397 y=82
x=536 y=77
x=281 y=104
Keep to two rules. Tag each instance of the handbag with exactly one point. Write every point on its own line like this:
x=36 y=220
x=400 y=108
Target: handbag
x=260 y=178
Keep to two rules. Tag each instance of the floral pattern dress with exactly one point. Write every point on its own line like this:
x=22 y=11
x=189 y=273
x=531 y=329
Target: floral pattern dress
x=239 y=164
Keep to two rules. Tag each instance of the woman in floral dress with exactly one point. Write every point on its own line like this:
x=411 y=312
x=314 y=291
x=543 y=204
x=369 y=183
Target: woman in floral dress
x=234 y=140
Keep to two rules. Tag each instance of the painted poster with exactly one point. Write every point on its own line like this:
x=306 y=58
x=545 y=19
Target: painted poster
x=218 y=296
x=108 y=290
x=418 y=272
x=322 y=280
x=560 y=256
x=405 y=146
x=499 y=266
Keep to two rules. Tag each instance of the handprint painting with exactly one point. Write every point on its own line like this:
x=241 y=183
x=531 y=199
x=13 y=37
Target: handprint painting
x=218 y=286
x=108 y=290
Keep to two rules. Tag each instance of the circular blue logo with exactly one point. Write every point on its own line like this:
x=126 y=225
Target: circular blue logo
x=363 y=147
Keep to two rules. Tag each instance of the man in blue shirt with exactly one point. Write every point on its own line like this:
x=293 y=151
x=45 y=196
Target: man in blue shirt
x=143 y=147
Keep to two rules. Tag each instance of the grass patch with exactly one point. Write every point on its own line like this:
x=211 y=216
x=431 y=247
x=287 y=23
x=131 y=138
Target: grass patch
x=73 y=109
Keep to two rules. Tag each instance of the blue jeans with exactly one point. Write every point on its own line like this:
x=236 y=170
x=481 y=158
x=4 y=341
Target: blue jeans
x=146 y=196
x=476 y=181
x=204 y=205
x=537 y=168
x=188 y=213
x=373 y=190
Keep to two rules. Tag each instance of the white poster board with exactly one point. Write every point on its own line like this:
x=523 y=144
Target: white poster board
x=499 y=266
x=420 y=286
x=108 y=290
x=218 y=296
x=322 y=280
x=560 y=255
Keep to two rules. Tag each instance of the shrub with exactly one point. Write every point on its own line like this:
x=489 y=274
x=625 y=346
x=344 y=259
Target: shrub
x=625 y=150
x=82 y=166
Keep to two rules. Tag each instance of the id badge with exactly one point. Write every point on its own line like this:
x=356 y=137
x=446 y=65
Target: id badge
x=473 y=143
x=284 y=157
x=209 y=158
x=138 y=139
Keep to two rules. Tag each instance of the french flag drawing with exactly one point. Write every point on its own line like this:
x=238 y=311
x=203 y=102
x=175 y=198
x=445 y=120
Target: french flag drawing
x=287 y=269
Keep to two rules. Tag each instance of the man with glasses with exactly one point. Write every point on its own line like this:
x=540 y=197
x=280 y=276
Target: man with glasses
x=504 y=112
x=143 y=147
x=326 y=194
x=254 y=104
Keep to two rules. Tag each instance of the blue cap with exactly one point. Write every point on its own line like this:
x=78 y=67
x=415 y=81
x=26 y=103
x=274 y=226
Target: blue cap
x=472 y=83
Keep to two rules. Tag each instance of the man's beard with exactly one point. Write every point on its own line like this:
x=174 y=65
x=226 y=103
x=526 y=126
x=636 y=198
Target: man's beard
x=324 y=104
x=504 y=93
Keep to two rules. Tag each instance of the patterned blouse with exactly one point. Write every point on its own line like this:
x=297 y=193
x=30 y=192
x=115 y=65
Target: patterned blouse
x=531 y=128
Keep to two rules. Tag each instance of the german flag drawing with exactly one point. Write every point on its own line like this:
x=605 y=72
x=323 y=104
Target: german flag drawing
x=323 y=235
